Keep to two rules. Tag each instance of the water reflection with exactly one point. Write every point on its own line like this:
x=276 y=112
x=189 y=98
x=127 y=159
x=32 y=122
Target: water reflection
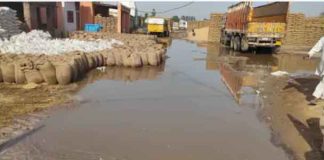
x=240 y=71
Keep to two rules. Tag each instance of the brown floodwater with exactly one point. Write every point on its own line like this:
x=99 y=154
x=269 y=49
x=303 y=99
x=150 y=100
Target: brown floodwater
x=181 y=110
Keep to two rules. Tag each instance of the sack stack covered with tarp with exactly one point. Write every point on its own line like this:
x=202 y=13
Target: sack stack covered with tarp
x=35 y=57
x=9 y=23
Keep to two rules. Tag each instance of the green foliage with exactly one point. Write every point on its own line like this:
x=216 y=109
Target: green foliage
x=175 y=19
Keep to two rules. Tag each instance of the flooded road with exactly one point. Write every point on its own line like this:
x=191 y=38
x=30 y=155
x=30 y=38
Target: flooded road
x=180 y=112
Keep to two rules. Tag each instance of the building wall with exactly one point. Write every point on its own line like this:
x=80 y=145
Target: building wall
x=86 y=13
x=215 y=27
x=302 y=30
x=197 y=24
x=123 y=19
x=69 y=27
x=109 y=23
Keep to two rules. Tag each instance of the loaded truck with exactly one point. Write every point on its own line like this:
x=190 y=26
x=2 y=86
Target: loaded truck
x=246 y=27
x=157 y=26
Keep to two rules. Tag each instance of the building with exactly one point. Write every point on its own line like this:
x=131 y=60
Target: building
x=59 y=18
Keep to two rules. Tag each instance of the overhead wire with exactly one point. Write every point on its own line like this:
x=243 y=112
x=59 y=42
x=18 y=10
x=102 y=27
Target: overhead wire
x=168 y=10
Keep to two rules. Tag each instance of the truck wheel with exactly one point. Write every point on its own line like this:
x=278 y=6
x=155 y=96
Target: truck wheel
x=237 y=43
x=244 y=44
x=232 y=43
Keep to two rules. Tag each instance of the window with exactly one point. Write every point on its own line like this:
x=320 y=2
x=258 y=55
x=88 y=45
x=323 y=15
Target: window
x=70 y=17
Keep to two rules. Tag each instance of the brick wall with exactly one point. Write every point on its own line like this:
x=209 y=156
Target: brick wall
x=303 y=31
x=197 y=24
x=109 y=24
x=215 y=27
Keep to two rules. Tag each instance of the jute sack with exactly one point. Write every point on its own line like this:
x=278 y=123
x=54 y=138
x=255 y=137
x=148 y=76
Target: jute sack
x=110 y=59
x=8 y=72
x=158 y=57
x=144 y=58
x=135 y=60
x=84 y=62
x=96 y=58
x=100 y=60
x=63 y=73
x=74 y=70
x=152 y=59
x=20 y=77
x=80 y=67
x=48 y=73
x=1 y=78
x=90 y=61
x=33 y=76
x=127 y=61
x=118 y=59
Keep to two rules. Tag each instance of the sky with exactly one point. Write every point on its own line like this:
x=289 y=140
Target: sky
x=202 y=10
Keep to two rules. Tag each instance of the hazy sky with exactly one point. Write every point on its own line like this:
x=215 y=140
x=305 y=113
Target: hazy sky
x=202 y=9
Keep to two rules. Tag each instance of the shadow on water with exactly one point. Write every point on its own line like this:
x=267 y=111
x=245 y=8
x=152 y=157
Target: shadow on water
x=312 y=135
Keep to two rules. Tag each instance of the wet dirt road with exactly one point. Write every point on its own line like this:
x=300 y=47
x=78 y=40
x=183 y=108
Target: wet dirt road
x=185 y=113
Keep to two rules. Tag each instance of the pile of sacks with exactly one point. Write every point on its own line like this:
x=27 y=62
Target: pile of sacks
x=9 y=23
x=39 y=42
x=70 y=67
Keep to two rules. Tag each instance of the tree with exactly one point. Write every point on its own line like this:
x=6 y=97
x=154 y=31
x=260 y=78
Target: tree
x=183 y=17
x=175 y=19
x=153 y=13
x=145 y=15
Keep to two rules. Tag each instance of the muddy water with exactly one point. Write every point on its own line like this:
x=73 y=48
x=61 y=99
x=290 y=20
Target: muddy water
x=184 y=113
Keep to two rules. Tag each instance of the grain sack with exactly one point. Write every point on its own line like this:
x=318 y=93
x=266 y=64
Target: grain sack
x=8 y=72
x=158 y=57
x=127 y=61
x=118 y=59
x=74 y=70
x=1 y=78
x=91 y=61
x=144 y=59
x=135 y=60
x=63 y=73
x=110 y=59
x=19 y=73
x=48 y=72
x=96 y=58
x=33 y=76
x=152 y=59
x=100 y=60
x=80 y=67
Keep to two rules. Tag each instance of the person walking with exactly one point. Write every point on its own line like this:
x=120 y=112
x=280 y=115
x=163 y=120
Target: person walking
x=319 y=90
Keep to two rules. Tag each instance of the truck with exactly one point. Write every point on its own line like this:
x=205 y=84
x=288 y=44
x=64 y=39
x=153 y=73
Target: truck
x=158 y=26
x=246 y=27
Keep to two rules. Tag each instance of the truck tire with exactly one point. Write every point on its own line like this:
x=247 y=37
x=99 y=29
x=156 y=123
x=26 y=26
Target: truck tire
x=237 y=43
x=244 y=44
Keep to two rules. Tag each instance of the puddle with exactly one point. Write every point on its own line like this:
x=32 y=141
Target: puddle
x=180 y=111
